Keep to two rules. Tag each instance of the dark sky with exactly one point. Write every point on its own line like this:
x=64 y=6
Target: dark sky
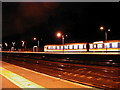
x=79 y=20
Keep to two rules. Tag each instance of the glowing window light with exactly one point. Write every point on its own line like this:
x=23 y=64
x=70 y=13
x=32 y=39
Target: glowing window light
x=58 y=47
x=84 y=46
x=70 y=46
x=106 y=45
x=61 y=47
x=95 y=46
x=66 y=47
x=91 y=46
x=49 y=47
x=75 y=46
x=80 y=46
x=114 y=45
x=99 y=45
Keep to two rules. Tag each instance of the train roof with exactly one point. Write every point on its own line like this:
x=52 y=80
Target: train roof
x=96 y=42
x=109 y=41
x=65 y=44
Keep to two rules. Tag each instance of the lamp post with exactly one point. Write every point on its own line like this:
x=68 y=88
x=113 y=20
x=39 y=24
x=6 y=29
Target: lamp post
x=60 y=35
x=106 y=35
x=37 y=47
x=37 y=41
x=106 y=30
x=63 y=39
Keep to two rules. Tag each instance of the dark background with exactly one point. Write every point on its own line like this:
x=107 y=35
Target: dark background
x=79 y=20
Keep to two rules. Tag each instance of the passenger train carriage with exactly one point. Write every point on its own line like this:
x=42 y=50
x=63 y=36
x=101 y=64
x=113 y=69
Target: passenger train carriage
x=111 y=45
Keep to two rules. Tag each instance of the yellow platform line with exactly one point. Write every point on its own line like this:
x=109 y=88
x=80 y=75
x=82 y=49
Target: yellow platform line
x=19 y=80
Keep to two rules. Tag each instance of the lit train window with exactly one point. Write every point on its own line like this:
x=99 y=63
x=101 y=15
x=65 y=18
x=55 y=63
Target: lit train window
x=80 y=46
x=61 y=47
x=66 y=47
x=99 y=45
x=53 y=47
x=84 y=46
x=57 y=47
x=91 y=46
x=106 y=45
x=75 y=46
x=114 y=45
x=70 y=46
x=95 y=46
x=49 y=47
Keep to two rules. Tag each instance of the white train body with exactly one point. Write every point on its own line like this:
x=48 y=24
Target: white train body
x=111 y=45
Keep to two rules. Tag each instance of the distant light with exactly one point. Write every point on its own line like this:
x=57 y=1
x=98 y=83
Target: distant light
x=22 y=41
x=6 y=44
x=110 y=60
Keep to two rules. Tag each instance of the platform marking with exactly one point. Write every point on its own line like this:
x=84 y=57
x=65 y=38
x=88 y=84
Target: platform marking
x=78 y=84
x=19 y=80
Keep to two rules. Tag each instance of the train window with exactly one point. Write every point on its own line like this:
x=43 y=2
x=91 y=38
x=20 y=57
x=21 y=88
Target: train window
x=91 y=46
x=57 y=47
x=99 y=45
x=106 y=45
x=61 y=47
x=53 y=47
x=84 y=46
x=95 y=46
x=75 y=46
x=48 y=47
x=114 y=45
x=70 y=46
x=66 y=47
x=80 y=46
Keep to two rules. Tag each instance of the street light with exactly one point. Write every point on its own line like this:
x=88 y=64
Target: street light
x=106 y=30
x=37 y=47
x=63 y=38
x=60 y=35
x=35 y=40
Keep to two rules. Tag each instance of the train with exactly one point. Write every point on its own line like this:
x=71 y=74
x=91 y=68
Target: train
x=97 y=46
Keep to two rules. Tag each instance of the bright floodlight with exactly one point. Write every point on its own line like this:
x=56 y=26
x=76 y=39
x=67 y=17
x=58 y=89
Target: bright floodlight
x=58 y=34
x=101 y=28
x=108 y=29
x=34 y=38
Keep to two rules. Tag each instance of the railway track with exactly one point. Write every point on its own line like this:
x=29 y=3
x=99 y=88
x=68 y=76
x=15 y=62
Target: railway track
x=66 y=68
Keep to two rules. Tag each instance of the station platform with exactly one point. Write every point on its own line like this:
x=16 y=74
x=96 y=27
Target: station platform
x=17 y=77
x=94 y=53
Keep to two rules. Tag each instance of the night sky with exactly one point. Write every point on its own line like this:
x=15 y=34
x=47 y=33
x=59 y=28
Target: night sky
x=79 y=20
